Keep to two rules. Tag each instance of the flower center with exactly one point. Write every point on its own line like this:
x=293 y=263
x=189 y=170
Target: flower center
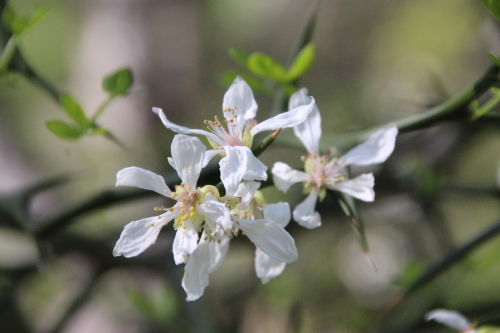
x=323 y=172
x=186 y=205
x=231 y=136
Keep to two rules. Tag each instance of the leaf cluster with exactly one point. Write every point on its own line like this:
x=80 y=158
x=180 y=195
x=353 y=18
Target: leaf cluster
x=115 y=84
x=264 y=68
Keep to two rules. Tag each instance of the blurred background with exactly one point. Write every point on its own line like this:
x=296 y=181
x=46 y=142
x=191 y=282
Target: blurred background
x=376 y=61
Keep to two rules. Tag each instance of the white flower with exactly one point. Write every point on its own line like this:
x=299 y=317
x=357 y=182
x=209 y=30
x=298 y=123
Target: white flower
x=323 y=172
x=197 y=210
x=239 y=110
x=266 y=266
x=194 y=207
x=452 y=319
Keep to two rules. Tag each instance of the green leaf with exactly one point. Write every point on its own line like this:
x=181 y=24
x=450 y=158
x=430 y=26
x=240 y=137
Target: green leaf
x=288 y=88
x=302 y=62
x=18 y=24
x=74 y=110
x=229 y=76
x=266 y=66
x=493 y=6
x=494 y=58
x=119 y=82
x=64 y=130
x=97 y=131
x=239 y=56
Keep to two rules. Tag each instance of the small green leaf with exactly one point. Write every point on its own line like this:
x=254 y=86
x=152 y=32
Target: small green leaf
x=64 y=130
x=119 y=82
x=18 y=24
x=494 y=58
x=239 y=56
x=97 y=131
x=302 y=62
x=266 y=66
x=493 y=6
x=229 y=76
x=74 y=110
x=288 y=88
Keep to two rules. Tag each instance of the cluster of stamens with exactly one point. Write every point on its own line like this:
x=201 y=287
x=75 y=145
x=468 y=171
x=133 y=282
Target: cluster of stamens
x=231 y=136
x=322 y=170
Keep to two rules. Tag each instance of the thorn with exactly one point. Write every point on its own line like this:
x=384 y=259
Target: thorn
x=275 y=134
x=370 y=259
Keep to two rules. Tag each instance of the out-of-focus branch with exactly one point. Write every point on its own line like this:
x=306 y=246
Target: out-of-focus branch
x=453 y=256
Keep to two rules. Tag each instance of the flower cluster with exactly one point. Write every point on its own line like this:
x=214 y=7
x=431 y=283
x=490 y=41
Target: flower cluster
x=322 y=172
x=205 y=221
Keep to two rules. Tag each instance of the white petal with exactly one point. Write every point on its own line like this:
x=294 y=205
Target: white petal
x=188 y=154
x=185 y=242
x=196 y=272
x=285 y=120
x=133 y=176
x=305 y=213
x=240 y=164
x=267 y=267
x=309 y=132
x=215 y=212
x=137 y=236
x=284 y=176
x=360 y=187
x=184 y=130
x=172 y=163
x=376 y=149
x=279 y=213
x=240 y=96
x=209 y=154
x=246 y=191
x=270 y=238
x=218 y=252
x=449 y=318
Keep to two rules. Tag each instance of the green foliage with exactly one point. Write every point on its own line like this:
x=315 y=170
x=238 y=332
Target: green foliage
x=410 y=274
x=488 y=329
x=119 y=82
x=239 y=56
x=116 y=84
x=494 y=58
x=493 y=6
x=267 y=68
x=18 y=24
x=74 y=110
x=63 y=130
x=302 y=62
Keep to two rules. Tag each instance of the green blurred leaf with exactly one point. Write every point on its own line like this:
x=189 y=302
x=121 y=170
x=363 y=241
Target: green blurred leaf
x=239 y=56
x=494 y=58
x=18 y=24
x=74 y=110
x=410 y=273
x=302 y=62
x=288 y=88
x=119 y=82
x=488 y=329
x=266 y=66
x=229 y=76
x=97 y=131
x=493 y=6
x=64 y=130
